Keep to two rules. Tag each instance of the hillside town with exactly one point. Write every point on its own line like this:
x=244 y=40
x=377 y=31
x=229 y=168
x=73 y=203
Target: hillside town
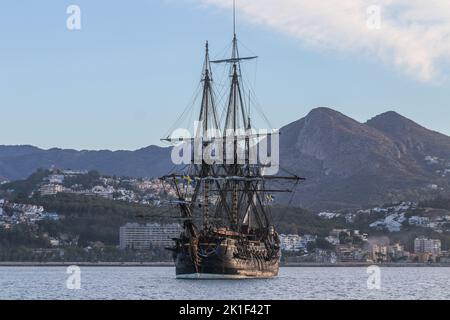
x=351 y=246
x=15 y=213
x=395 y=217
x=148 y=191
x=142 y=191
x=341 y=245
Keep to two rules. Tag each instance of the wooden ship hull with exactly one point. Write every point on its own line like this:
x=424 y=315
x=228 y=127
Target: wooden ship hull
x=225 y=259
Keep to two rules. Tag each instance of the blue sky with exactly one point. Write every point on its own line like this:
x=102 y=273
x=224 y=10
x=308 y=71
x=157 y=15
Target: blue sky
x=122 y=80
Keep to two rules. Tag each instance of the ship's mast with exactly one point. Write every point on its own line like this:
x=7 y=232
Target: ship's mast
x=208 y=114
x=237 y=121
x=208 y=118
x=234 y=17
x=235 y=99
x=239 y=186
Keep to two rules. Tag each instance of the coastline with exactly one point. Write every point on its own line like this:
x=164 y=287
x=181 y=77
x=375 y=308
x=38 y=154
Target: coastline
x=170 y=264
x=86 y=264
x=365 y=265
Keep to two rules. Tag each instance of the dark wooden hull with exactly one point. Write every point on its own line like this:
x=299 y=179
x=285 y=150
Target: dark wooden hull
x=224 y=263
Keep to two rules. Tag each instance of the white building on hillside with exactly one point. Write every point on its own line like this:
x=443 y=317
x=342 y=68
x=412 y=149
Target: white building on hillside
x=51 y=189
x=424 y=245
x=295 y=242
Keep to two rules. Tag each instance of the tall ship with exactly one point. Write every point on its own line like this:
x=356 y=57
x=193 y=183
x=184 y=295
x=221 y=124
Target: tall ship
x=227 y=229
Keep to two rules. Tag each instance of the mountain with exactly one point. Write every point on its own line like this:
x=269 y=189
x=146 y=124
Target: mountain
x=346 y=163
x=410 y=136
x=18 y=162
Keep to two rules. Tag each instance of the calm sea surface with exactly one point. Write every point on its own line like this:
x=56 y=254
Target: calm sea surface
x=160 y=283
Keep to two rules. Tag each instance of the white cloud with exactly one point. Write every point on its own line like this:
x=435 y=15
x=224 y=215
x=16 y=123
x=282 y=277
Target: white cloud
x=414 y=34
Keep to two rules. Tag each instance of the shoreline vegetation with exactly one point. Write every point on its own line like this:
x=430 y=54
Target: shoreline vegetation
x=170 y=264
